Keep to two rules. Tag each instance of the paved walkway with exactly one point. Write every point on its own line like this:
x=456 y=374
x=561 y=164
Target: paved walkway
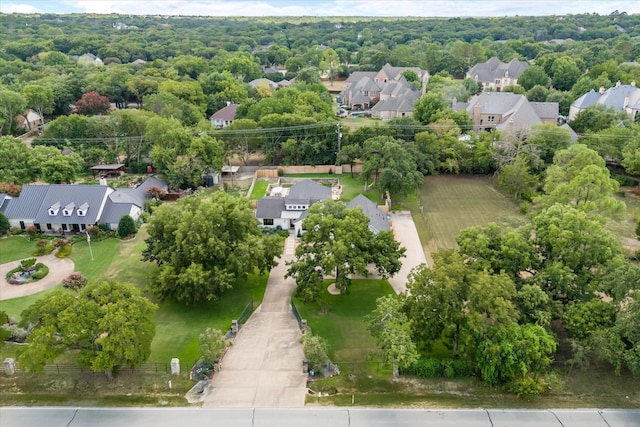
x=405 y=232
x=263 y=367
x=59 y=268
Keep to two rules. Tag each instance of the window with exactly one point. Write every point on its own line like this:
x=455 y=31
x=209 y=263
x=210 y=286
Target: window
x=497 y=81
x=267 y=221
x=64 y=227
x=49 y=227
x=491 y=119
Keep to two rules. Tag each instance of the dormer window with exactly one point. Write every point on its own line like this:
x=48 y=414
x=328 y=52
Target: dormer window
x=68 y=210
x=53 y=210
x=82 y=210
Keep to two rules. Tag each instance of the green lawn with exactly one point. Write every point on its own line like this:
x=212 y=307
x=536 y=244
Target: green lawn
x=14 y=306
x=626 y=227
x=13 y=248
x=453 y=203
x=339 y=320
x=259 y=189
x=178 y=326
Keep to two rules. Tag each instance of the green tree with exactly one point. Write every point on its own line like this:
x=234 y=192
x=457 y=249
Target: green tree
x=564 y=73
x=579 y=177
x=203 y=244
x=338 y=242
x=315 y=350
x=14 y=161
x=93 y=103
x=516 y=178
x=426 y=107
x=39 y=98
x=75 y=281
x=391 y=328
x=454 y=302
x=393 y=167
x=533 y=76
x=12 y=104
x=126 y=226
x=109 y=325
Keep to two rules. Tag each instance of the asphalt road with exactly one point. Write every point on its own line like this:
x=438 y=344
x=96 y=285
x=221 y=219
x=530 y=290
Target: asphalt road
x=314 y=417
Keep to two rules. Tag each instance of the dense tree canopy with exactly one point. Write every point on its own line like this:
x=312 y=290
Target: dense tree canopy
x=338 y=242
x=109 y=323
x=203 y=244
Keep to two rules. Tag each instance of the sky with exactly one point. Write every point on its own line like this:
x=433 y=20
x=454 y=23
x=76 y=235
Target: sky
x=391 y=8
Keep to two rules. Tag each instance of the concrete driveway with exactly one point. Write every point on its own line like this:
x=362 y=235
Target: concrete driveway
x=263 y=367
x=405 y=232
x=59 y=268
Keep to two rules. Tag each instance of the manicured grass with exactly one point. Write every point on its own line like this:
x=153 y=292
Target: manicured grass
x=453 y=203
x=259 y=189
x=626 y=227
x=13 y=248
x=104 y=255
x=14 y=306
x=339 y=320
x=178 y=326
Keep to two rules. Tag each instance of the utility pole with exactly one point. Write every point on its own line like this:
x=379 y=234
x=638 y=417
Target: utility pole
x=339 y=131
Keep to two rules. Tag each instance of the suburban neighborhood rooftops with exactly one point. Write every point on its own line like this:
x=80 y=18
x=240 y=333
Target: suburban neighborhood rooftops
x=378 y=220
x=494 y=69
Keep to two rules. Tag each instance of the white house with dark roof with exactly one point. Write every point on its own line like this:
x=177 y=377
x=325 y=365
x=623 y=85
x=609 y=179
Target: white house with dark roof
x=62 y=208
x=507 y=111
x=496 y=75
x=620 y=97
x=224 y=116
x=286 y=209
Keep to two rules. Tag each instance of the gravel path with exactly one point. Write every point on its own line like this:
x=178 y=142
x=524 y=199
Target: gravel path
x=59 y=268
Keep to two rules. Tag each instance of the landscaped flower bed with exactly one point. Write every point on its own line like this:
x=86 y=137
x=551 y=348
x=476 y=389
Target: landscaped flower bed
x=27 y=272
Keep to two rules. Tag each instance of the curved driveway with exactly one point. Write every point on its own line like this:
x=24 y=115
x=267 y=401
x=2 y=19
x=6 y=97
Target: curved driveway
x=59 y=268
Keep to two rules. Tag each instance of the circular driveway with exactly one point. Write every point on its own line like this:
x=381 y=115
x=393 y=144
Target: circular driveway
x=59 y=268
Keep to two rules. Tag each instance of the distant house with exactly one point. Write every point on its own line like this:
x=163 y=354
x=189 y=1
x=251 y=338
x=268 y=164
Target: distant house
x=31 y=120
x=364 y=89
x=112 y=170
x=262 y=81
x=620 y=97
x=496 y=75
x=507 y=111
x=62 y=208
x=396 y=100
x=224 y=116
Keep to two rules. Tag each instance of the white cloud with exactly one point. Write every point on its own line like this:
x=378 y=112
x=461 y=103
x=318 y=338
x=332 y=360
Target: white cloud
x=20 y=8
x=417 y=8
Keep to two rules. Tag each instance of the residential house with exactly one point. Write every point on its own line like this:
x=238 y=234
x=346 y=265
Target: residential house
x=262 y=81
x=396 y=100
x=620 y=97
x=496 y=75
x=378 y=220
x=364 y=89
x=62 y=208
x=286 y=206
x=31 y=121
x=224 y=116
x=507 y=111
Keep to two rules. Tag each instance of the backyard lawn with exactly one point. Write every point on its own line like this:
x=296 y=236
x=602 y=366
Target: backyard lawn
x=13 y=248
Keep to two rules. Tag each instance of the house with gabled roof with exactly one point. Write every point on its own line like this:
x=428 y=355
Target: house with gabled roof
x=364 y=89
x=378 y=220
x=396 y=100
x=286 y=206
x=496 y=75
x=224 y=116
x=31 y=120
x=507 y=111
x=72 y=208
x=620 y=98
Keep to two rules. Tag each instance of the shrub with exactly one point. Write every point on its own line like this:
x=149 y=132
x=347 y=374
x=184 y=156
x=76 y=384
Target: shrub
x=32 y=231
x=41 y=271
x=75 y=281
x=4 y=223
x=10 y=188
x=15 y=332
x=156 y=192
x=64 y=251
x=315 y=350
x=26 y=263
x=280 y=172
x=638 y=230
x=126 y=226
x=43 y=249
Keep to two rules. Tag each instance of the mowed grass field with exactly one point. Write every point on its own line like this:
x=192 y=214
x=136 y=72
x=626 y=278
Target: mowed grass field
x=453 y=203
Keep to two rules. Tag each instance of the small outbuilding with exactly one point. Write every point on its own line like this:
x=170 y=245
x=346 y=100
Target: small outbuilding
x=108 y=171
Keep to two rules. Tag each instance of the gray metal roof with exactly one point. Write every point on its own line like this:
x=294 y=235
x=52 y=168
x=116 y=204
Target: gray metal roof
x=27 y=205
x=308 y=192
x=377 y=219
x=94 y=195
x=269 y=207
x=114 y=211
x=3 y=198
